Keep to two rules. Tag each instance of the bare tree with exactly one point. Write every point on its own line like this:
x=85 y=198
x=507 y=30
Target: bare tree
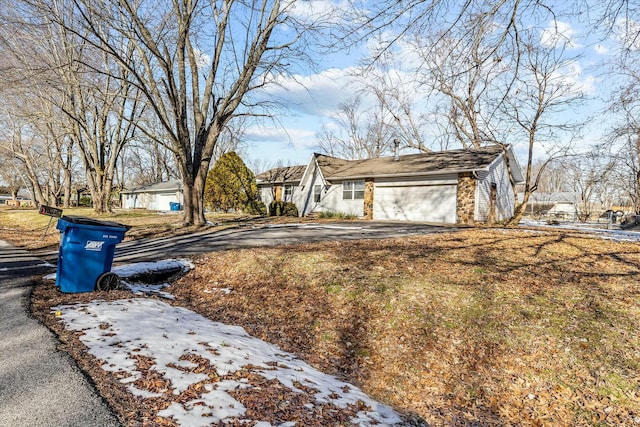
x=86 y=105
x=19 y=142
x=396 y=93
x=466 y=71
x=625 y=137
x=10 y=174
x=590 y=175
x=196 y=64
x=555 y=178
x=357 y=131
x=541 y=93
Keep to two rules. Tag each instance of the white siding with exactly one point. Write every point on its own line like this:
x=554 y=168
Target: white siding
x=505 y=202
x=267 y=194
x=135 y=201
x=151 y=201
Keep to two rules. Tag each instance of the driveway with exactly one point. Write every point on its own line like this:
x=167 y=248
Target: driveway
x=39 y=386
x=260 y=235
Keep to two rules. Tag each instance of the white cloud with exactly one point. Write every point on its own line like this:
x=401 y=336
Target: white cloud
x=601 y=49
x=572 y=76
x=317 y=94
x=202 y=59
x=559 y=34
x=314 y=10
x=300 y=138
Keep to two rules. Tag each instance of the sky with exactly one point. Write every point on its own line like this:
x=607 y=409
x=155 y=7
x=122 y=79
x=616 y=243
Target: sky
x=313 y=96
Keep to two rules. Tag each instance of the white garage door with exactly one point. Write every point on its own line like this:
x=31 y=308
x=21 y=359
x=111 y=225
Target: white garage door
x=428 y=203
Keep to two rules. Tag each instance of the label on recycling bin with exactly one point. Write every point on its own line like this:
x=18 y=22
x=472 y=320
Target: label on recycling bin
x=93 y=245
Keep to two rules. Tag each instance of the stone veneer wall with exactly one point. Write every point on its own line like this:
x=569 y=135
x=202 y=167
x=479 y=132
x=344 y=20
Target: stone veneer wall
x=368 y=198
x=466 y=198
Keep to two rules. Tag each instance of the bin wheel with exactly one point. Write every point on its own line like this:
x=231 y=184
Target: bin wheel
x=108 y=282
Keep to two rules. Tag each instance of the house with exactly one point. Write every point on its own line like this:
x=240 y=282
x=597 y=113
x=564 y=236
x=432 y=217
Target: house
x=161 y=196
x=553 y=203
x=280 y=183
x=564 y=204
x=456 y=186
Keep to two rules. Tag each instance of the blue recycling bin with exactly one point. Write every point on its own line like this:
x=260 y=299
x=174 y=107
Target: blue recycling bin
x=174 y=206
x=86 y=252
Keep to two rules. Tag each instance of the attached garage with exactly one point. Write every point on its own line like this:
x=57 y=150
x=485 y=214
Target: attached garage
x=415 y=202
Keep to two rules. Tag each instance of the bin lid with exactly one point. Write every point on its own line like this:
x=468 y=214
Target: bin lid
x=83 y=220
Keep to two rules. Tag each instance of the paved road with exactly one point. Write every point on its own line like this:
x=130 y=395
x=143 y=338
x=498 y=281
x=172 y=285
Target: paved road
x=153 y=249
x=39 y=386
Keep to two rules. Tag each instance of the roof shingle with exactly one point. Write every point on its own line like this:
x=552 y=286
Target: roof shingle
x=413 y=164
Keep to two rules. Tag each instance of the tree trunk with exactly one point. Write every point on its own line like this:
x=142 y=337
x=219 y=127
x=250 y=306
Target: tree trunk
x=189 y=210
x=198 y=200
x=520 y=209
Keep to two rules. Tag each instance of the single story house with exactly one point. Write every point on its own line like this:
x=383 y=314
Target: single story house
x=161 y=196
x=456 y=186
x=280 y=183
x=562 y=203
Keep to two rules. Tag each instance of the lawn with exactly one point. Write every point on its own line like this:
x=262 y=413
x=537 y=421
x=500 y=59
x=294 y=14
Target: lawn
x=29 y=229
x=474 y=327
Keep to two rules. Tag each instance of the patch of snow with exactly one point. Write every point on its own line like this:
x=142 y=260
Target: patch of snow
x=145 y=394
x=137 y=268
x=225 y=291
x=116 y=331
x=149 y=289
x=592 y=230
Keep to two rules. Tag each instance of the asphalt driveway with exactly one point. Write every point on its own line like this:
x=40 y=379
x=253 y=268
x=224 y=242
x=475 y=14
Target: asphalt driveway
x=259 y=235
x=39 y=386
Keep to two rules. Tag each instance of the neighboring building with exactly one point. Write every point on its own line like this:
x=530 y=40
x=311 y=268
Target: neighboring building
x=456 y=186
x=564 y=204
x=22 y=200
x=161 y=196
x=555 y=204
x=280 y=183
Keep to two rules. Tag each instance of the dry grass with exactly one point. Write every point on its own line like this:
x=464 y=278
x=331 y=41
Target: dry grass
x=29 y=229
x=477 y=327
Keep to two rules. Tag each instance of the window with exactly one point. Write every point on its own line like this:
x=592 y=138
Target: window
x=317 y=193
x=353 y=190
x=288 y=191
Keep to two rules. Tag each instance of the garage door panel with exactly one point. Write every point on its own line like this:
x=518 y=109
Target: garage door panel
x=435 y=203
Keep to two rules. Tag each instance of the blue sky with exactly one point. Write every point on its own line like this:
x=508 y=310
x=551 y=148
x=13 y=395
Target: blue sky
x=314 y=98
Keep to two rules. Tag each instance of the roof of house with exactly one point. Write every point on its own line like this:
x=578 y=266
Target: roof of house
x=282 y=174
x=440 y=162
x=158 y=187
x=432 y=163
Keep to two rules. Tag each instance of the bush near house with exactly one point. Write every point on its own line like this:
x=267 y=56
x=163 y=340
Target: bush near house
x=280 y=208
x=336 y=215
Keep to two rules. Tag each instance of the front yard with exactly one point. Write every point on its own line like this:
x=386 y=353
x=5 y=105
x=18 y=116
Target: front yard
x=475 y=327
